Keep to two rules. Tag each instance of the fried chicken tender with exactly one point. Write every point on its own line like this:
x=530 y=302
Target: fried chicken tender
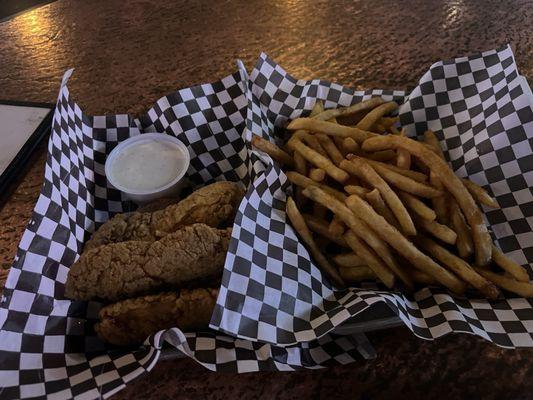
x=131 y=321
x=213 y=205
x=119 y=270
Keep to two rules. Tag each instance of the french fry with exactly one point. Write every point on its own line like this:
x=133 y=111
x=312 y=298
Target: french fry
x=465 y=246
x=317 y=174
x=480 y=194
x=350 y=145
x=389 y=121
x=373 y=261
x=482 y=239
x=319 y=161
x=361 y=228
x=431 y=139
x=459 y=267
x=303 y=231
x=357 y=274
x=440 y=231
x=303 y=182
x=403 y=160
x=517 y=271
x=375 y=200
x=417 y=176
x=355 y=189
x=345 y=111
x=405 y=183
x=417 y=206
x=300 y=165
x=312 y=142
x=403 y=246
x=329 y=128
x=373 y=116
x=523 y=289
x=321 y=227
x=272 y=150
x=336 y=226
x=440 y=203
x=331 y=149
x=363 y=170
x=348 y=260
x=318 y=108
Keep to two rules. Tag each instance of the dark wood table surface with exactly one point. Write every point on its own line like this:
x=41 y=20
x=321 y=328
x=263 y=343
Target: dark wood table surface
x=129 y=53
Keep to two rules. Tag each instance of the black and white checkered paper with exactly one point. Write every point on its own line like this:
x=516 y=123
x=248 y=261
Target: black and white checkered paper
x=481 y=109
x=274 y=302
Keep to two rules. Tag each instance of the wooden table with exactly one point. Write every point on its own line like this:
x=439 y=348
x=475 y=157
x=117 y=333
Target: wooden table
x=128 y=54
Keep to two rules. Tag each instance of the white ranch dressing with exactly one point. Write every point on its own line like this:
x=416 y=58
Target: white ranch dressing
x=147 y=165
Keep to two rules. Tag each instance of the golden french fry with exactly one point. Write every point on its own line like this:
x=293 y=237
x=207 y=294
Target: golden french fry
x=389 y=121
x=459 y=267
x=482 y=239
x=355 y=189
x=345 y=111
x=359 y=167
x=403 y=246
x=319 y=161
x=440 y=203
x=321 y=227
x=318 y=108
x=300 y=165
x=517 y=271
x=373 y=116
x=312 y=142
x=431 y=139
x=331 y=149
x=523 y=289
x=417 y=176
x=405 y=183
x=329 y=128
x=339 y=143
x=480 y=194
x=440 y=231
x=272 y=150
x=350 y=145
x=379 y=127
x=372 y=260
x=356 y=274
x=417 y=206
x=336 y=226
x=303 y=182
x=465 y=246
x=348 y=260
x=360 y=228
x=303 y=231
x=403 y=159
x=317 y=174
x=375 y=200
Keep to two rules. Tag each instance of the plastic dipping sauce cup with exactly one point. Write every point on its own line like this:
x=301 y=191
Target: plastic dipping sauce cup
x=148 y=166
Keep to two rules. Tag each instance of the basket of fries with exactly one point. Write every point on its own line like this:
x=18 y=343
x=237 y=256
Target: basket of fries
x=339 y=201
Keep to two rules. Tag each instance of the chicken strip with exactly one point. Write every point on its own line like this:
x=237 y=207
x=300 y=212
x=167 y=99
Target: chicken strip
x=213 y=205
x=193 y=254
x=131 y=321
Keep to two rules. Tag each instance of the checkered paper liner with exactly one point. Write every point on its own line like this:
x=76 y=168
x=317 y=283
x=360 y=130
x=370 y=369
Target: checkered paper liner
x=481 y=110
x=48 y=347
